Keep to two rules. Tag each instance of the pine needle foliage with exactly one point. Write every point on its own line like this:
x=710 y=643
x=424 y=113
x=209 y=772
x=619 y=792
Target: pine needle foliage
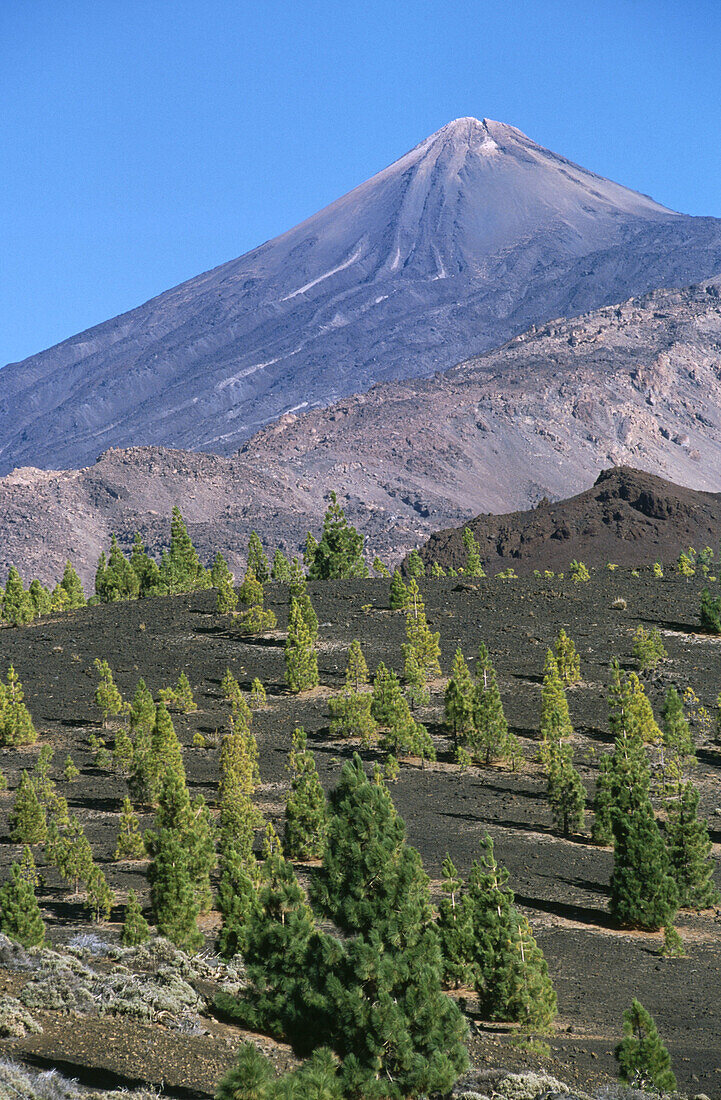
x=305 y=807
x=643 y=1060
x=135 y=927
x=339 y=554
x=20 y=916
x=301 y=663
x=567 y=659
x=689 y=849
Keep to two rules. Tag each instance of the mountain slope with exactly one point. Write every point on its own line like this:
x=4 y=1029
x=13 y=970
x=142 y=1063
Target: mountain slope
x=466 y=240
x=636 y=384
x=627 y=517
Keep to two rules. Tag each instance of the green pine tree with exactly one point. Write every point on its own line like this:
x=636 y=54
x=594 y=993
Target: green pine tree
x=107 y=697
x=398 y=592
x=567 y=659
x=220 y=572
x=474 y=565
x=678 y=745
x=40 y=598
x=339 y=553
x=16 y=724
x=301 y=663
x=135 y=927
x=459 y=700
x=566 y=792
x=356 y=674
x=455 y=929
x=281 y=568
x=689 y=849
x=130 y=841
x=226 y=601
x=70 y=772
x=257 y=696
x=173 y=896
x=20 y=916
x=414 y=677
x=17 y=604
x=489 y=736
x=117 y=579
x=250 y=1078
x=350 y=716
x=257 y=561
x=555 y=716
x=73 y=586
x=28 y=822
x=643 y=1060
x=146 y=570
x=305 y=807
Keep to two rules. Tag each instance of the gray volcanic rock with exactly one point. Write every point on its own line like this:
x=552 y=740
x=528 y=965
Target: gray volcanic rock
x=638 y=384
x=469 y=238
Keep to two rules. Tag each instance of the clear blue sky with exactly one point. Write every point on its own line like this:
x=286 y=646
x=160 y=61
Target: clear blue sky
x=145 y=141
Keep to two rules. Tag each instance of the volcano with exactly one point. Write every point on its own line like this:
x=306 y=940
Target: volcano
x=467 y=240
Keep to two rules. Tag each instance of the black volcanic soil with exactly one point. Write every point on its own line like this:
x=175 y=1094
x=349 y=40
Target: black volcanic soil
x=562 y=884
x=627 y=517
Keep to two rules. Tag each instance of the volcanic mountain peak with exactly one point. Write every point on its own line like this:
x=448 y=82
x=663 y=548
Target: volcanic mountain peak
x=465 y=241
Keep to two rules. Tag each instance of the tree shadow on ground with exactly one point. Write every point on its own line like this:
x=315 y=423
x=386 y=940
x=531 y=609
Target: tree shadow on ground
x=581 y=914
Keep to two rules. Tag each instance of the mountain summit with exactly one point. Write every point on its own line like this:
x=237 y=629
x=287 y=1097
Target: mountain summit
x=472 y=236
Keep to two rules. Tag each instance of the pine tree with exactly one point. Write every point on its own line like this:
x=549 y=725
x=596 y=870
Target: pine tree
x=257 y=561
x=474 y=565
x=237 y=897
x=16 y=725
x=28 y=823
x=73 y=586
x=419 y=635
x=257 y=697
x=398 y=592
x=356 y=674
x=643 y=893
x=566 y=792
x=511 y=974
x=69 y=850
x=146 y=570
x=392 y=1016
x=455 y=929
x=40 y=598
x=183 y=695
x=301 y=663
x=305 y=808
x=17 y=604
x=555 y=716
x=299 y=592
x=238 y=817
x=99 y=897
x=309 y=550
x=20 y=916
x=350 y=714
x=602 y=832
x=172 y=891
x=123 y=753
x=142 y=710
x=226 y=601
x=251 y=1078
x=130 y=841
x=255 y=619
x=117 y=579
x=135 y=927
x=339 y=553
x=567 y=659
x=489 y=736
x=648 y=649
x=387 y=698
x=281 y=568
x=181 y=569
x=415 y=565
x=679 y=748
x=43 y=784
x=643 y=1060
x=107 y=697
x=381 y=568
x=414 y=676
x=220 y=572
x=459 y=699
x=689 y=849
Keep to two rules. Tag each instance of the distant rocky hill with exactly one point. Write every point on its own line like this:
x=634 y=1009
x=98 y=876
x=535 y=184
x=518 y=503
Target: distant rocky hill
x=628 y=517
x=637 y=384
x=465 y=241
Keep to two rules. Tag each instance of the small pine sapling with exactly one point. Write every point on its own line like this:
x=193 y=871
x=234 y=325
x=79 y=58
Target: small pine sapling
x=305 y=808
x=398 y=592
x=16 y=725
x=648 y=649
x=28 y=821
x=280 y=570
x=689 y=849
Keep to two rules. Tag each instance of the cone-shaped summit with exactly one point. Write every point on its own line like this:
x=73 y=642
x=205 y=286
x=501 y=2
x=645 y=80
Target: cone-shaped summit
x=469 y=238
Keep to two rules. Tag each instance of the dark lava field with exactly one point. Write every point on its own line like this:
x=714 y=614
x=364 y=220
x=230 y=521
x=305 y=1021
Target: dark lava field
x=562 y=884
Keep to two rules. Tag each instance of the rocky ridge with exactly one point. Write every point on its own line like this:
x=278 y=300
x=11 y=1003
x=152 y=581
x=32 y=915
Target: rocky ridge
x=635 y=384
